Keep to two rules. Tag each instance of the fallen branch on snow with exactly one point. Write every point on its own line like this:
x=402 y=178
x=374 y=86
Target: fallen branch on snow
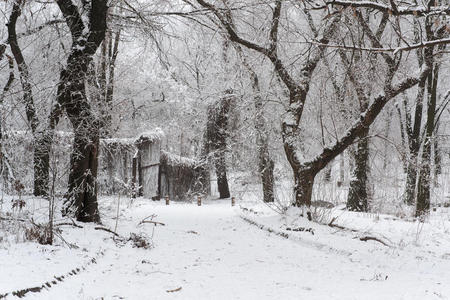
x=146 y=221
x=107 y=230
x=152 y=222
x=372 y=238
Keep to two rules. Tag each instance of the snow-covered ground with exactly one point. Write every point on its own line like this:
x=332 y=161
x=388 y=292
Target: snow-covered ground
x=216 y=251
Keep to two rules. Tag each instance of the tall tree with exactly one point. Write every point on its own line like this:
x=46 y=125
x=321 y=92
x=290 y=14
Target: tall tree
x=87 y=26
x=42 y=136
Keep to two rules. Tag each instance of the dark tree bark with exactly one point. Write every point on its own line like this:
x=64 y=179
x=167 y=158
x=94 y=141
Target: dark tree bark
x=81 y=197
x=216 y=140
x=357 y=197
x=414 y=140
x=425 y=173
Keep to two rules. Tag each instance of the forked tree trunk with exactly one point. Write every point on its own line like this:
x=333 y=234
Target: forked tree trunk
x=81 y=197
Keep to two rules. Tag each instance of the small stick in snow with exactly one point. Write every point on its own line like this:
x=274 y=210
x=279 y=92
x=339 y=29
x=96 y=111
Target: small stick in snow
x=151 y=222
x=107 y=230
x=69 y=224
x=371 y=238
x=167 y=200
x=174 y=290
x=233 y=201
x=144 y=220
x=199 y=201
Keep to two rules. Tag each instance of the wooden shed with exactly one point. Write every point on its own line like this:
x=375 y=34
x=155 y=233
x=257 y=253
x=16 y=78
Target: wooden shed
x=181 y=178
x=146 y=163
x=130 y=162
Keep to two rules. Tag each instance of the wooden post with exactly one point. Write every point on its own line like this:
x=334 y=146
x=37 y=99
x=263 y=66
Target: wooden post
x=233 y=201
x=141 y=178
x=199 y=201
x=167 y=200
x=133 y=179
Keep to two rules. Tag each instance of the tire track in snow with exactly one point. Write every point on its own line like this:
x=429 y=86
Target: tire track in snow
x=55 y=280
x=298 y=240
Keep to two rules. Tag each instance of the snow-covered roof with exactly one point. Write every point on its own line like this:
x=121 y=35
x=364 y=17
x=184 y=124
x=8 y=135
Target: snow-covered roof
x=177 y=160
x=151 y=136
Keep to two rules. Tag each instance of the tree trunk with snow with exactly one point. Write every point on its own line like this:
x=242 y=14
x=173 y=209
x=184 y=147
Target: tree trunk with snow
x=216 y=140
x=357 y=197
x=87 y=34
x=425 y=171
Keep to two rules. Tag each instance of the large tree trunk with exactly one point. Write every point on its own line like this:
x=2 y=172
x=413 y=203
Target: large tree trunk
x=221 y=173
x=81 y=197
x=303 y=188
x=216 y=140
x=42 y=148
x=425 y=173
x=304 y=181
x=41 y=162
x=413 y=133
x=265 y=164
x=357 y=196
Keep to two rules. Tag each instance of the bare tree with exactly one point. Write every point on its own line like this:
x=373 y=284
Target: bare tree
x=305 y=171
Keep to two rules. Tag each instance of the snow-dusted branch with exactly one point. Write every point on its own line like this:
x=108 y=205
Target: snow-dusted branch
x=365 y=120
x=392 y=9
x=382 y=49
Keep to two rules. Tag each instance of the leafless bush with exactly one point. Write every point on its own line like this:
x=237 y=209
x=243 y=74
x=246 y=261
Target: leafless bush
x=40 y=233
x=140 y=240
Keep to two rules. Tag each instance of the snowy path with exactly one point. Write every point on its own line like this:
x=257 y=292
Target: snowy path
x=230 y=259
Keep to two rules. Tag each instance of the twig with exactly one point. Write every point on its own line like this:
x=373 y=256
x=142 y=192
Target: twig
x=152 y=222
x=144 y=220
x=70 y=224
x=371 y=238
x=174 y=290
x=13 y=219
x=107 y=230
